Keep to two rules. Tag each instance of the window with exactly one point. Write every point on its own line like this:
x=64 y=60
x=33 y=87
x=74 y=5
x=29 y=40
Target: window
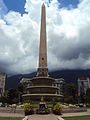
x=42 y=58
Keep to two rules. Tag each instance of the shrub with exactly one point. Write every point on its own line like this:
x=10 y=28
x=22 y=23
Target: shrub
x=28 y=109
x=2 y=105
x=43 y=111
x=57 y=109
x=80 y=105
x=88 y=105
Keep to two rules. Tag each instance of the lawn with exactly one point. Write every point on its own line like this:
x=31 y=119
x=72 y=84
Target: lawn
x=9 y=118
x=78 y=118
x=36 y=104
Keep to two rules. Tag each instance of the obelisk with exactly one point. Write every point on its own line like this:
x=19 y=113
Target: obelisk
x=42 y=68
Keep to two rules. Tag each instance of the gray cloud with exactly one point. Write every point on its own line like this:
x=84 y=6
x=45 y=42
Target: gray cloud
x=68 y=36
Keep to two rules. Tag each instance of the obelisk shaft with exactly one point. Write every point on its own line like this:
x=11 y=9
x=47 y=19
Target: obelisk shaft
x=42 y=69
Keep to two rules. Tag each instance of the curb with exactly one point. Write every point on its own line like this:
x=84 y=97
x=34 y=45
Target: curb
x=26 y=118
x=60 y=118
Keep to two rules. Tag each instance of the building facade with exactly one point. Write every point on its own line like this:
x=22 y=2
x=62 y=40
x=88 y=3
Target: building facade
x=60 y=84
x=83 y=85
x=2 y=83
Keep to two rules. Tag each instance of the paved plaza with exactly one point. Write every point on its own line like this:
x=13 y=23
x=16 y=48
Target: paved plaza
x=76 y=114
x=45 y=117
x=11 y=115
x=55 y=117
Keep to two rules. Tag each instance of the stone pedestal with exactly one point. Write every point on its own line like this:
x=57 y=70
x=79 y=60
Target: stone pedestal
x=42 y=104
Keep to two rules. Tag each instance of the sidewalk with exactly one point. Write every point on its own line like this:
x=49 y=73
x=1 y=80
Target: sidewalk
x=55 y=117
x=76 y=114
x=43 y=117
x=11 y=115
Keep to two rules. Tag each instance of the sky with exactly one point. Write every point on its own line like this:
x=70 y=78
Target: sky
x=68 y=37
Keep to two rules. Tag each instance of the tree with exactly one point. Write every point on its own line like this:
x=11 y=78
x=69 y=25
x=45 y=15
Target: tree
x=12 y=96
x=21 y=88
x=3 y=99
x=70 y=93
x=88 y=95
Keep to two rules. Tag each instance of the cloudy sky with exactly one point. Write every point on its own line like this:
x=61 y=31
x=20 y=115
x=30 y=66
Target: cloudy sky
x=68 y=34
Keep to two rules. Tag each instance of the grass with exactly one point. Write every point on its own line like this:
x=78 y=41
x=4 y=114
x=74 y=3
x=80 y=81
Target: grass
x=36 y=104
x=78 y=118
x=10 y=118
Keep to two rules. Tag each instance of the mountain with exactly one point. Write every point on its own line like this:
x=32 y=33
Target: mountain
x=68 y=75
x=13 y=81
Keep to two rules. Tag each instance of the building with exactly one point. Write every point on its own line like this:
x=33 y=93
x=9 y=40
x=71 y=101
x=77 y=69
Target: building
x=42 y=85
x=83 y=85
x=60 y=84
x=2 y=83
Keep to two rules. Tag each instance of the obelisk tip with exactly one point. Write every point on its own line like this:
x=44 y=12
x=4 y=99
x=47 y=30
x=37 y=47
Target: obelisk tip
x=43 y=5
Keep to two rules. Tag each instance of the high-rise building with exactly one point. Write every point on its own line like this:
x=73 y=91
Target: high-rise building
x=42 y=84
x=83 y=85
x=2 y=83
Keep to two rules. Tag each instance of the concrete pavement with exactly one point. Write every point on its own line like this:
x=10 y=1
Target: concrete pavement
x=76 y=114
x=11 y=115
x=43 y=117
x=55 y=117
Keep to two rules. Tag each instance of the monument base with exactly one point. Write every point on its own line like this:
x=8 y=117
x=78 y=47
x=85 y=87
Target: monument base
x=37 y=97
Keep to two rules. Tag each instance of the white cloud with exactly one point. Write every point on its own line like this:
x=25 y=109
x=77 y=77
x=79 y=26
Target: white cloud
x=67 y=35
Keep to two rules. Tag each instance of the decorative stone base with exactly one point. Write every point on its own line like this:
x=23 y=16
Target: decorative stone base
x=37 y=97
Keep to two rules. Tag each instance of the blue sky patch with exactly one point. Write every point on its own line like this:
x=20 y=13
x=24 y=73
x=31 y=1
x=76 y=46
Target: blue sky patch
x=3 y=9
x=18 y=5
x=68 y=3
x=15 y=5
